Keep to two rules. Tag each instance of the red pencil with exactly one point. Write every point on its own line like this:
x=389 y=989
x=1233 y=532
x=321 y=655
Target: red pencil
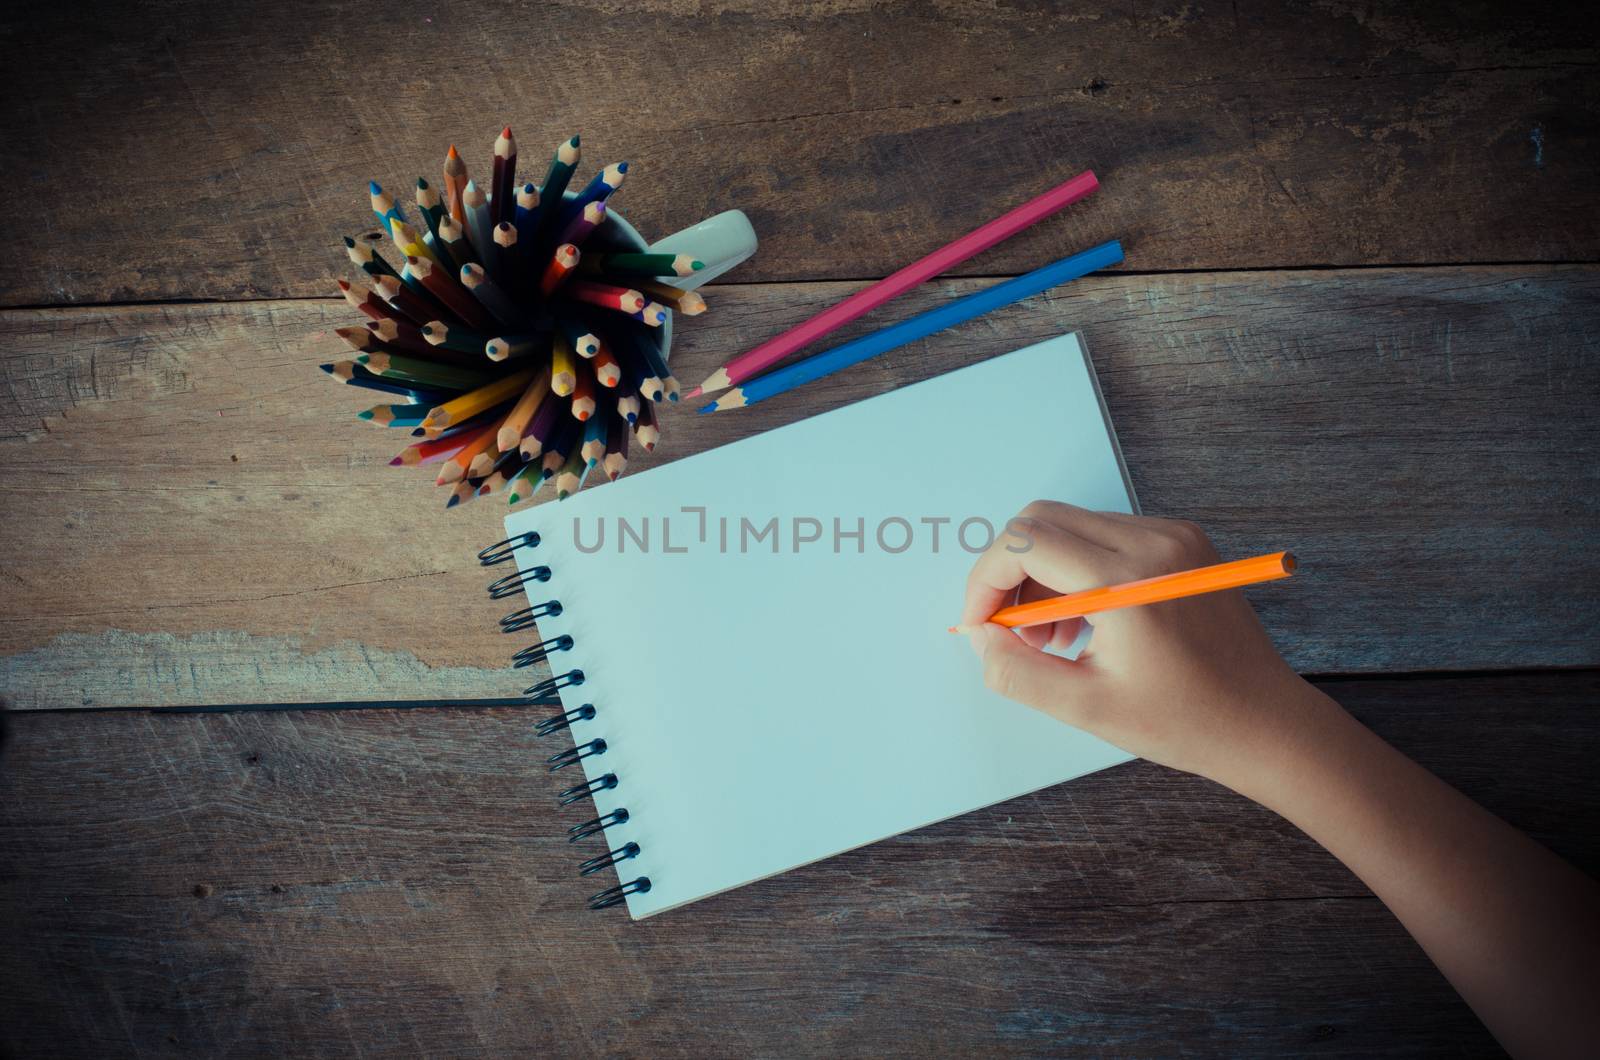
x=429 y=452
x=448 y=290
x=562 y=262
x=363 y=298
x=649 y=434
x=772 y=351
x=606 y=296
x=502 y=204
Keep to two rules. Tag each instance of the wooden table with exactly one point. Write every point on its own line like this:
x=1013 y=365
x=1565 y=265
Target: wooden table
x=257 y=795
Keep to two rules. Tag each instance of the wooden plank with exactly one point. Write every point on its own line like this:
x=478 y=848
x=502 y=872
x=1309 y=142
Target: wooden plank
x=193 y=155
x=377 y=881
x=205 y=523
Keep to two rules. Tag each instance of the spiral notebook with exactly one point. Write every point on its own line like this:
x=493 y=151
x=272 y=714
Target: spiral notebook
x=750 y=645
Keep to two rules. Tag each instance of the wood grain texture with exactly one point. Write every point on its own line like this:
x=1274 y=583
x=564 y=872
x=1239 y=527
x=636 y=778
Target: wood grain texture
x=380 y=883
x=857 y=135
x=207 y=523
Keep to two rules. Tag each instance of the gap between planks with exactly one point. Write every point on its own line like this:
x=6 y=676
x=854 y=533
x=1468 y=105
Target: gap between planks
x=1337 y=680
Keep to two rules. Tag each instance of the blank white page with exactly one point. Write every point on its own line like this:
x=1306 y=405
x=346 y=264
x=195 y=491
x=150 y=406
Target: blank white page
x=763 y=709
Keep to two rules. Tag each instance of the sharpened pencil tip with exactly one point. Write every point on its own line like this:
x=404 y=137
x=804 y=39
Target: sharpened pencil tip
x=396 y=462
x=574 y=140
x=622 y=167
x=454 y=500
x=349 y=243
x=364 y=414
x=708 y=408
x=506 y=132
x=326 y=368
x=452 y=152
x=374 y=187
x=696 y=392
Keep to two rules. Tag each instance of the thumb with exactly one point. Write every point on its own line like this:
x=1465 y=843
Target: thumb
x=1037 y=679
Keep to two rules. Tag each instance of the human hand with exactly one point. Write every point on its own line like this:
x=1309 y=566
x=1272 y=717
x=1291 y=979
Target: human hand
x=1193 y=683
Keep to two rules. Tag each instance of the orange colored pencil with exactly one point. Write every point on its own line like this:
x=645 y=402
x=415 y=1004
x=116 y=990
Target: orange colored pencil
x=689 y=303
x=455 y=465
x=455 y=183
x=1210 y=579
x=515 y=425
x=607 y=368
x=583 y=403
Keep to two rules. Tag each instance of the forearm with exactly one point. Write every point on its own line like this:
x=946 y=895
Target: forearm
x=1514 y=928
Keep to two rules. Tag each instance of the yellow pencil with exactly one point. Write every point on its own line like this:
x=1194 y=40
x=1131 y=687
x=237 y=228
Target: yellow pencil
x=563 y=369
x=485 y=397
x=516 y=422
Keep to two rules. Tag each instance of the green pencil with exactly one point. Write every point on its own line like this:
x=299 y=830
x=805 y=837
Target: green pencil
x=562 y=164
x=429 y=373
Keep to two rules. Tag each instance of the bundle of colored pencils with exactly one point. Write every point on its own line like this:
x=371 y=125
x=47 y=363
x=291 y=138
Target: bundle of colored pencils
x=511 y=348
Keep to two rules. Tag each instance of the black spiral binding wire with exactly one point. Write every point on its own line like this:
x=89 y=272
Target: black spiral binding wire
x=525 y=618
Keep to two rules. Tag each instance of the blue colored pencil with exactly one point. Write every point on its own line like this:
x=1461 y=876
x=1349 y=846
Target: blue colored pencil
x=594 y=439
x=353 y=374
x=526 y=217
x=480 y=229
x=918 y=327
x=491 y=296
x=396 y=415
x=384 y=206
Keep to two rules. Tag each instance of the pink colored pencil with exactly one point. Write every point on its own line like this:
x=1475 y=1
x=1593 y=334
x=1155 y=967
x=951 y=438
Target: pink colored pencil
x=944 y=259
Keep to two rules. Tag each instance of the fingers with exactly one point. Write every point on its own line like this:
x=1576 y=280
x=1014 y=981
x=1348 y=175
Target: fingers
x=1098 y=527
x=1056 y=635
x=1161 y=540
x=1051 y=634
x=1057 y=559
x=1044 y=682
